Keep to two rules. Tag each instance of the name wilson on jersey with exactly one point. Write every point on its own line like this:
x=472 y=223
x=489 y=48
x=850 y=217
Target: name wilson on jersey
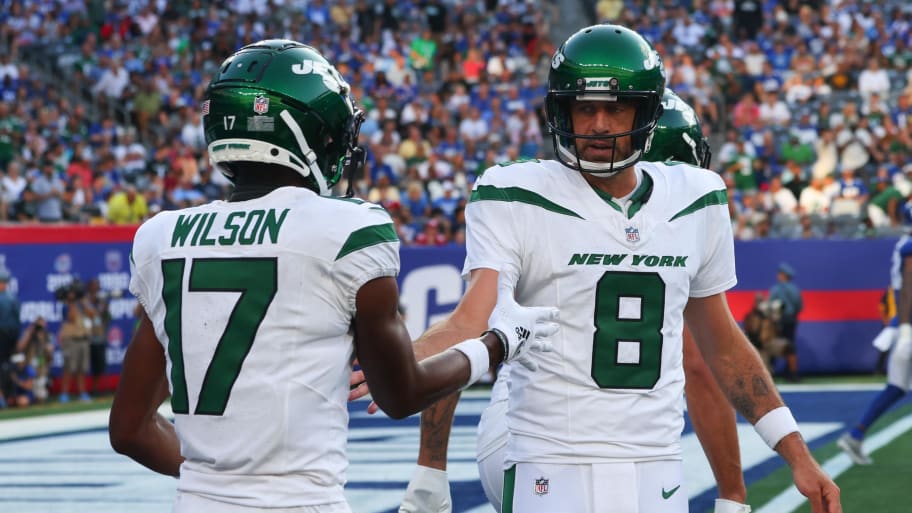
x=238 y=227
x=635 y=260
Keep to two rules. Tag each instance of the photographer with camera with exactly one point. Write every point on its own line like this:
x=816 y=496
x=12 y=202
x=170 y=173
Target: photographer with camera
x=97 y=300
x=38 y=348
x=75 y=334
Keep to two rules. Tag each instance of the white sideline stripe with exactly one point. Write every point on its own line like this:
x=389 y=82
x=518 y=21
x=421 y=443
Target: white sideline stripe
x=41 y=425
x=789 y=500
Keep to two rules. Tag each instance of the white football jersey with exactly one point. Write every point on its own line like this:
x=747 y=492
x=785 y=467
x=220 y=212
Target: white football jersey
x=621 y=277
x=253 y=302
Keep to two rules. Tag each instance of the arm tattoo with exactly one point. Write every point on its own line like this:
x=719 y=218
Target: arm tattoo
x=741 y=399
x=435 y=431
x=761 y=389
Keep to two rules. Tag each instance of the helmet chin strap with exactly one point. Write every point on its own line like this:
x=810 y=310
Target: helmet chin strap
x=601 y=169
x=309 y=156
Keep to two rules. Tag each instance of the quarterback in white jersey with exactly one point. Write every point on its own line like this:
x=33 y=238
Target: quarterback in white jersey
x=254 y=308
x=629 y=251
x=621 y=275
x=677 y=137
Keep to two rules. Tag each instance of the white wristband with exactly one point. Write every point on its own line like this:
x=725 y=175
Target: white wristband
x=727 y=506
x=776 y=425
x=479 y=359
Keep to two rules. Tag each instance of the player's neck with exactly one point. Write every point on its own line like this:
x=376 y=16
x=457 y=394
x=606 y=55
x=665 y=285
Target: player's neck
x=617 y=186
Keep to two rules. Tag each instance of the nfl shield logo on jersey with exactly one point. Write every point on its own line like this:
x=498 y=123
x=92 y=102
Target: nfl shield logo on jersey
x=541 y=486
x=633 y=234
x=261 y=104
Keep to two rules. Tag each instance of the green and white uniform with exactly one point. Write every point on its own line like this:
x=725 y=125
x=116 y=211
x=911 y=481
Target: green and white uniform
x=621 y=276
x=253 y=302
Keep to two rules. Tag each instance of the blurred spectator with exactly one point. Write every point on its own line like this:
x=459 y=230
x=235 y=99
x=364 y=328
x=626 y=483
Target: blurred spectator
x=747 y=18
x=77 y=199
x=12 y=184
x=96 y=302
x=415 y=201
x=786 y=297
x=741 y=165
x=853 y=193
x=9 y=317
x=383 y=192
x=750 y=220
x=780 y=200
x=761 y=330
x=38 y=348
x=884 y=208
x=74 y=336
x=873 y=79
x=827 y=155
x=129 y=155
x=448 y=201
x=746 y=111
x=432 y=235
x=22 y=376
x=127 y=207
x=774 y=111
x=45 y=194
x=801 y=153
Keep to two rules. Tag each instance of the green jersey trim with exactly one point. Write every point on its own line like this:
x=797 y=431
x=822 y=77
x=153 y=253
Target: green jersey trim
x=368 y=236
x=707 y=200
x=492 y=193
x=639 y=197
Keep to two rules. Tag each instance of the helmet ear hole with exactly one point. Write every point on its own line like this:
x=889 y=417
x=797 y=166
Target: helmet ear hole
x=274 y=152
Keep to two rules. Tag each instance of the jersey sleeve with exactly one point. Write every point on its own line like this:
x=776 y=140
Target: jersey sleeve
x=717 y=269
x=493 y=240
x=140 y=255
x=369 y=252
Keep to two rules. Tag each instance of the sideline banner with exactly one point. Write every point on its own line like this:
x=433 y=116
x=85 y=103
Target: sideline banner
x=841 y=282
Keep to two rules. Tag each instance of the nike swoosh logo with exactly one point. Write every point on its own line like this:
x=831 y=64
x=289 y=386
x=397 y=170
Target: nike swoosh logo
x=669 y=493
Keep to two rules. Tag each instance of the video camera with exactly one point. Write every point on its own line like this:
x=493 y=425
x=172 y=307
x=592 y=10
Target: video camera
x=63 y=292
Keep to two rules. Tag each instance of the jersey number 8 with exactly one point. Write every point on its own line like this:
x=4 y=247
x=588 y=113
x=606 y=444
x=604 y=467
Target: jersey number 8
x=627 y=344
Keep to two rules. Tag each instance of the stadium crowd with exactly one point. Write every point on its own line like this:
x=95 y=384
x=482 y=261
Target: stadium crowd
x=808 y=103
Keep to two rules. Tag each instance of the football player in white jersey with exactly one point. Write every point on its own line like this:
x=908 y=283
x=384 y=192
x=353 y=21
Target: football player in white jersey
x=678 y=137
x=898 y=337
x=629 y=251
x=254 y=308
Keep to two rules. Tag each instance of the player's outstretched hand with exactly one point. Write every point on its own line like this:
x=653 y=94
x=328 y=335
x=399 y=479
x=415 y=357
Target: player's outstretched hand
x=427 y=492
x=820 y=490
x=357 y=388
x=521 y=329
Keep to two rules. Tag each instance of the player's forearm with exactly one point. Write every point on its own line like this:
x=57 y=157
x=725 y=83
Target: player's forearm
x=445 y=334
x=154 y=445
x=747 y=384
x=716 y=428
x=794 y=450
x=436 y=422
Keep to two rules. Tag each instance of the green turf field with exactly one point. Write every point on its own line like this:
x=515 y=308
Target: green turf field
x=99 y=403
x=880 y=488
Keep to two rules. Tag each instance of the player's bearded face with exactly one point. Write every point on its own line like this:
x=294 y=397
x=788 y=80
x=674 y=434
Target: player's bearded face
x=602 y=118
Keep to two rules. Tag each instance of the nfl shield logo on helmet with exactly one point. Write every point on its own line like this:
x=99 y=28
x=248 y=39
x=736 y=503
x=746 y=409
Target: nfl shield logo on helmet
x=633 y=234
x=261 y=105
x=541 y=486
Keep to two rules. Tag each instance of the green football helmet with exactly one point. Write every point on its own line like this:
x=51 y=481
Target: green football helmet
x=678 y=135
x=280 y=102
x=604 y=63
